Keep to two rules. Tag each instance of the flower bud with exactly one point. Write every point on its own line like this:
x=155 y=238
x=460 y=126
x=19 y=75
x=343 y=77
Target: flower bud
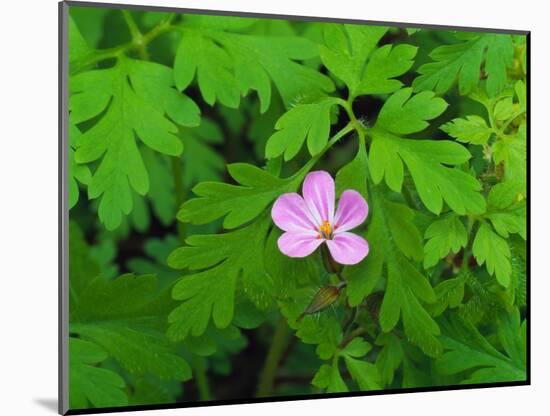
x=325 y=297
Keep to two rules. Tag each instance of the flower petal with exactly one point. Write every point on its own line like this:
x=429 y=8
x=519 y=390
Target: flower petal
x=318 y=191
x=352 y=211
x=348 y=248
x=300 y=244
x=290 y=213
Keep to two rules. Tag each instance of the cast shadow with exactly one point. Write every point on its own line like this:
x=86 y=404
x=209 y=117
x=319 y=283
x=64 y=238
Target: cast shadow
x=48 y=404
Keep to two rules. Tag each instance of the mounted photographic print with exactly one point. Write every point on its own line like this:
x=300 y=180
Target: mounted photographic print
x=265 y=208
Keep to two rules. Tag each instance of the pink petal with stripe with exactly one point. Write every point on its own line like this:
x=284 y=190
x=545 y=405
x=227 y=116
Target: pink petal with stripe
x=352 y=211
x=290 y=213
x=299 y=244
x=318 y=191
x=348 y=248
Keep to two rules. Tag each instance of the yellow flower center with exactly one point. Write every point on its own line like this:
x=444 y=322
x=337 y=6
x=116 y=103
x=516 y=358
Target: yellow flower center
x=326 y=230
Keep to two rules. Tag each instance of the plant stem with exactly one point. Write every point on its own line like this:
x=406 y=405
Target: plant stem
x=353 y=334
x=132 y=25
x=353 y=316
x=103 y=54
x=298 y=176
x=200 y=378
x=137 y=36
x=274 y=355
x=357 y=125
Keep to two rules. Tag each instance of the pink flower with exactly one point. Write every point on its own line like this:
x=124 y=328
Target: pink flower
x=310 y=221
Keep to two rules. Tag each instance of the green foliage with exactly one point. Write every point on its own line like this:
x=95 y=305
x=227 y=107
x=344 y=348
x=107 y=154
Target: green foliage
x=89 y=384
x=311 y=121
x=463 y=61
x=211 y=292
x=350 y=52
x=77 y=173
x=506 y=209
x=183 y=131
x=238 y=203
x=444 y=236
x=406 y=286
x=133 y=98
x=473 y=129
x=426 y=159
x=365 y=374
x=493 y=250
x=123 y=319
x=472 y=355
x=229 y=64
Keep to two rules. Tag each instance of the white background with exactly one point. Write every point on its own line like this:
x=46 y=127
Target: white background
x=28 y=205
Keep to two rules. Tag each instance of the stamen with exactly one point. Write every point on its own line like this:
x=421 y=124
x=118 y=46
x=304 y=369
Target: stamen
x=326 y=229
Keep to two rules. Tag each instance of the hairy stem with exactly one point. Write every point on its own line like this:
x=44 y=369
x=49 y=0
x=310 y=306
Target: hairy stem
x=200 y=378
x=274 y=355
x=356 y=124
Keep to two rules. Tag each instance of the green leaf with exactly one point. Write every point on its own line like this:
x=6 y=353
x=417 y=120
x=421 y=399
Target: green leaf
x=521 y=93
x=364 y=373
x=468 y=350
x=402 y=298
x=449 y=293
x=405 y=114
x=350 y=53
x=426 y=160
x=444 y=236
x=238 y=203
x=130 y=325
x=463 y=61
x=389 y=358
x=406 y=287
x=228 y=64
x=328 y=377
x=503 y=109
x=200 y=160
x=210 y=293
x=126 y=316
x=139 y=350
x=128 y=99
x=153 y=261
x=304 y=121
x=493 y=250
x=517 y=291
x=500 y=56
x=472 y=129
x=406 y=236
x=354 y=175
x=357 y=348
x=322 y=330
x=77 y=173
x=507 y=210
x=78 y=47
x=89 y=384
x=513 y=153
x=398 y=220
x=148 y=391
x=201 y=57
